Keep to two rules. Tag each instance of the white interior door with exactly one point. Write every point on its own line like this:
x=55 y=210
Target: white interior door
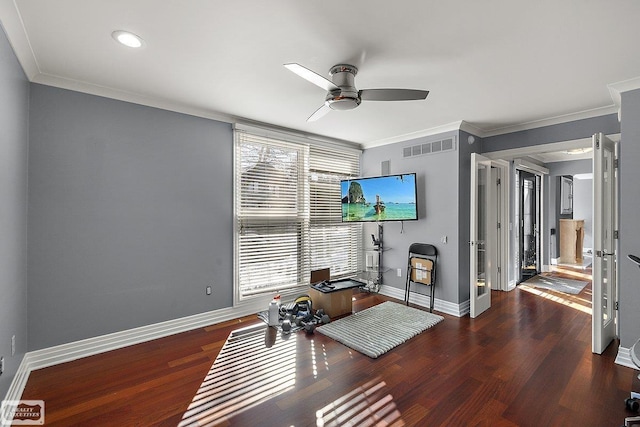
x=481 y=204
x=604 y=260
x=492 y=241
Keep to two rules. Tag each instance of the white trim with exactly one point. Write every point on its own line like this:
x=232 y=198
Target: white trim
x=550 y=121
x=132 y=97
x=512 y=153
x=455 y=126
x=289 y=135
x=512 y=285
x=50 y=356
x=615 y=89
x=530 y=167
x=19 y=381
x=504 y=233
x=68 y=352
x=624 y=358
x=12 y=22
x=453 y=309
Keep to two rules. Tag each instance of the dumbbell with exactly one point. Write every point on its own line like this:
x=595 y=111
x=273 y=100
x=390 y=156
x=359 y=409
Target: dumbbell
x=309 y=327
x=321 y=317
x=286 y=326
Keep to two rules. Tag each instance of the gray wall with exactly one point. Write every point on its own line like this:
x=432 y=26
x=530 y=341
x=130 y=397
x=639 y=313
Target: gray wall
x=583 y=208
x=629 y=243
x=130 y=216
x=14 y=116
x=577 y=129
x=437 y=176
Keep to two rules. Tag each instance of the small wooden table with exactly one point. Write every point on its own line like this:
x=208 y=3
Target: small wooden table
x=336 y=298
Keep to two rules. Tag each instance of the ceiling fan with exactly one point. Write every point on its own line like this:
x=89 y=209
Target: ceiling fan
x=342 y=93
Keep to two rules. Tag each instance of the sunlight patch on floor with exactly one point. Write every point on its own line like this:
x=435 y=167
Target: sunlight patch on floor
x=252 y=366
x=367 y=405
x=577 y=303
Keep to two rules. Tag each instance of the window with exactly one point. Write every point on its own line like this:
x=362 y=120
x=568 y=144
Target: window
x=287 y=202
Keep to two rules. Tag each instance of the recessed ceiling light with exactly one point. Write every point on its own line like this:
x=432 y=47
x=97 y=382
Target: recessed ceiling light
x=128 y=39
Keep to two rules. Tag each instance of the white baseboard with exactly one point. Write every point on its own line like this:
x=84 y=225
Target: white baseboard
x=50 y=356
x=446 y=307
x=624 y=358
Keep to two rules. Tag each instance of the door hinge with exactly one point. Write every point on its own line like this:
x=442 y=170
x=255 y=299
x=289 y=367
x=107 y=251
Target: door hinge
x=498 y=181
x=616 y=163
x=498 y=270
x=617 y=305
x=499 y=225
x=597 y=142
x=615 y=234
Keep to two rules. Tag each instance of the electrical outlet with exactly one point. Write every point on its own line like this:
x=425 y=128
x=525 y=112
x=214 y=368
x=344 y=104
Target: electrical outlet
x=1 y=365
x=13 y=345
x=208 y=290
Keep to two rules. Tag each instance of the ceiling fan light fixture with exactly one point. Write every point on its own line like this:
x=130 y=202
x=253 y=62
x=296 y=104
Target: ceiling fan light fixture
x=342 y=103
x=128 y=39
x=342 y=93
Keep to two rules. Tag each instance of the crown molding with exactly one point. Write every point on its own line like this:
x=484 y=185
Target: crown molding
x=550 y=121
x=616 y=90
x=132 y=97
x=11 y=21
x=450 y=127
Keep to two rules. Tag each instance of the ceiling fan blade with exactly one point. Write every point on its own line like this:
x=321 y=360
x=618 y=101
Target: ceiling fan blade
x=320 y=112
x=312 y=76
x=393 y=94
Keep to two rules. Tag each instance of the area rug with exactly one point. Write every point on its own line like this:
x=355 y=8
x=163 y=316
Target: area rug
x=556 y=283
x=378 y=329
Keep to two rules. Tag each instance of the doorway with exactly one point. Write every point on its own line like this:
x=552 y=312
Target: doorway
x=528 y=213
x=604 y=165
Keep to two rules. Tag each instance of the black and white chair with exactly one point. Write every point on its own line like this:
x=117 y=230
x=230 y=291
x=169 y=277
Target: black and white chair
x=421 y=270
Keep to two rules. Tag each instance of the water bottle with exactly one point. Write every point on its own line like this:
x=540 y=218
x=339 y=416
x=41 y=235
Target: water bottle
x=274 y=311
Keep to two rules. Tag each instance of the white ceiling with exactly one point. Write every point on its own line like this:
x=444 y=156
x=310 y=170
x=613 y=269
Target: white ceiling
x=495 y=66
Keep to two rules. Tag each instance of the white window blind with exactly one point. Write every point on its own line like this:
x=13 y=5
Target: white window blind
x=288 y=213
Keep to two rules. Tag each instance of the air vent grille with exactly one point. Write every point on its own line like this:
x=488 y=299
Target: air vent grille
x=434 y=147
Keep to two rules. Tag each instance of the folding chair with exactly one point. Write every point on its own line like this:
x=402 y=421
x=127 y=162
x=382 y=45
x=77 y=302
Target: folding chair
x=421 y=269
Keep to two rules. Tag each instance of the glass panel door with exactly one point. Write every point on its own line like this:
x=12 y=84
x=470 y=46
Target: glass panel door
x=480 y=292
x=604 y=244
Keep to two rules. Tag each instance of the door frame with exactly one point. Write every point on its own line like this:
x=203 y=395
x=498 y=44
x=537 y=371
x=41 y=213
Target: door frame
x=604 y=297
x=540 y=172
x=513 y=153
x=498 y=249
x=504 y=220
x=478 y=226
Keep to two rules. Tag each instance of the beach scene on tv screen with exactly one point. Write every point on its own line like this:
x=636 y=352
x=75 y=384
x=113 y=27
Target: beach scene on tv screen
x=384 y=198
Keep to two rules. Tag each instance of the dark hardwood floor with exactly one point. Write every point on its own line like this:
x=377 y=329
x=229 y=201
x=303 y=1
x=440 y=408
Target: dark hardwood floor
x=525 y=362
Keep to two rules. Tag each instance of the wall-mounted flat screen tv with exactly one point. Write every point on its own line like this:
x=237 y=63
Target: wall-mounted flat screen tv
x=380 y=198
